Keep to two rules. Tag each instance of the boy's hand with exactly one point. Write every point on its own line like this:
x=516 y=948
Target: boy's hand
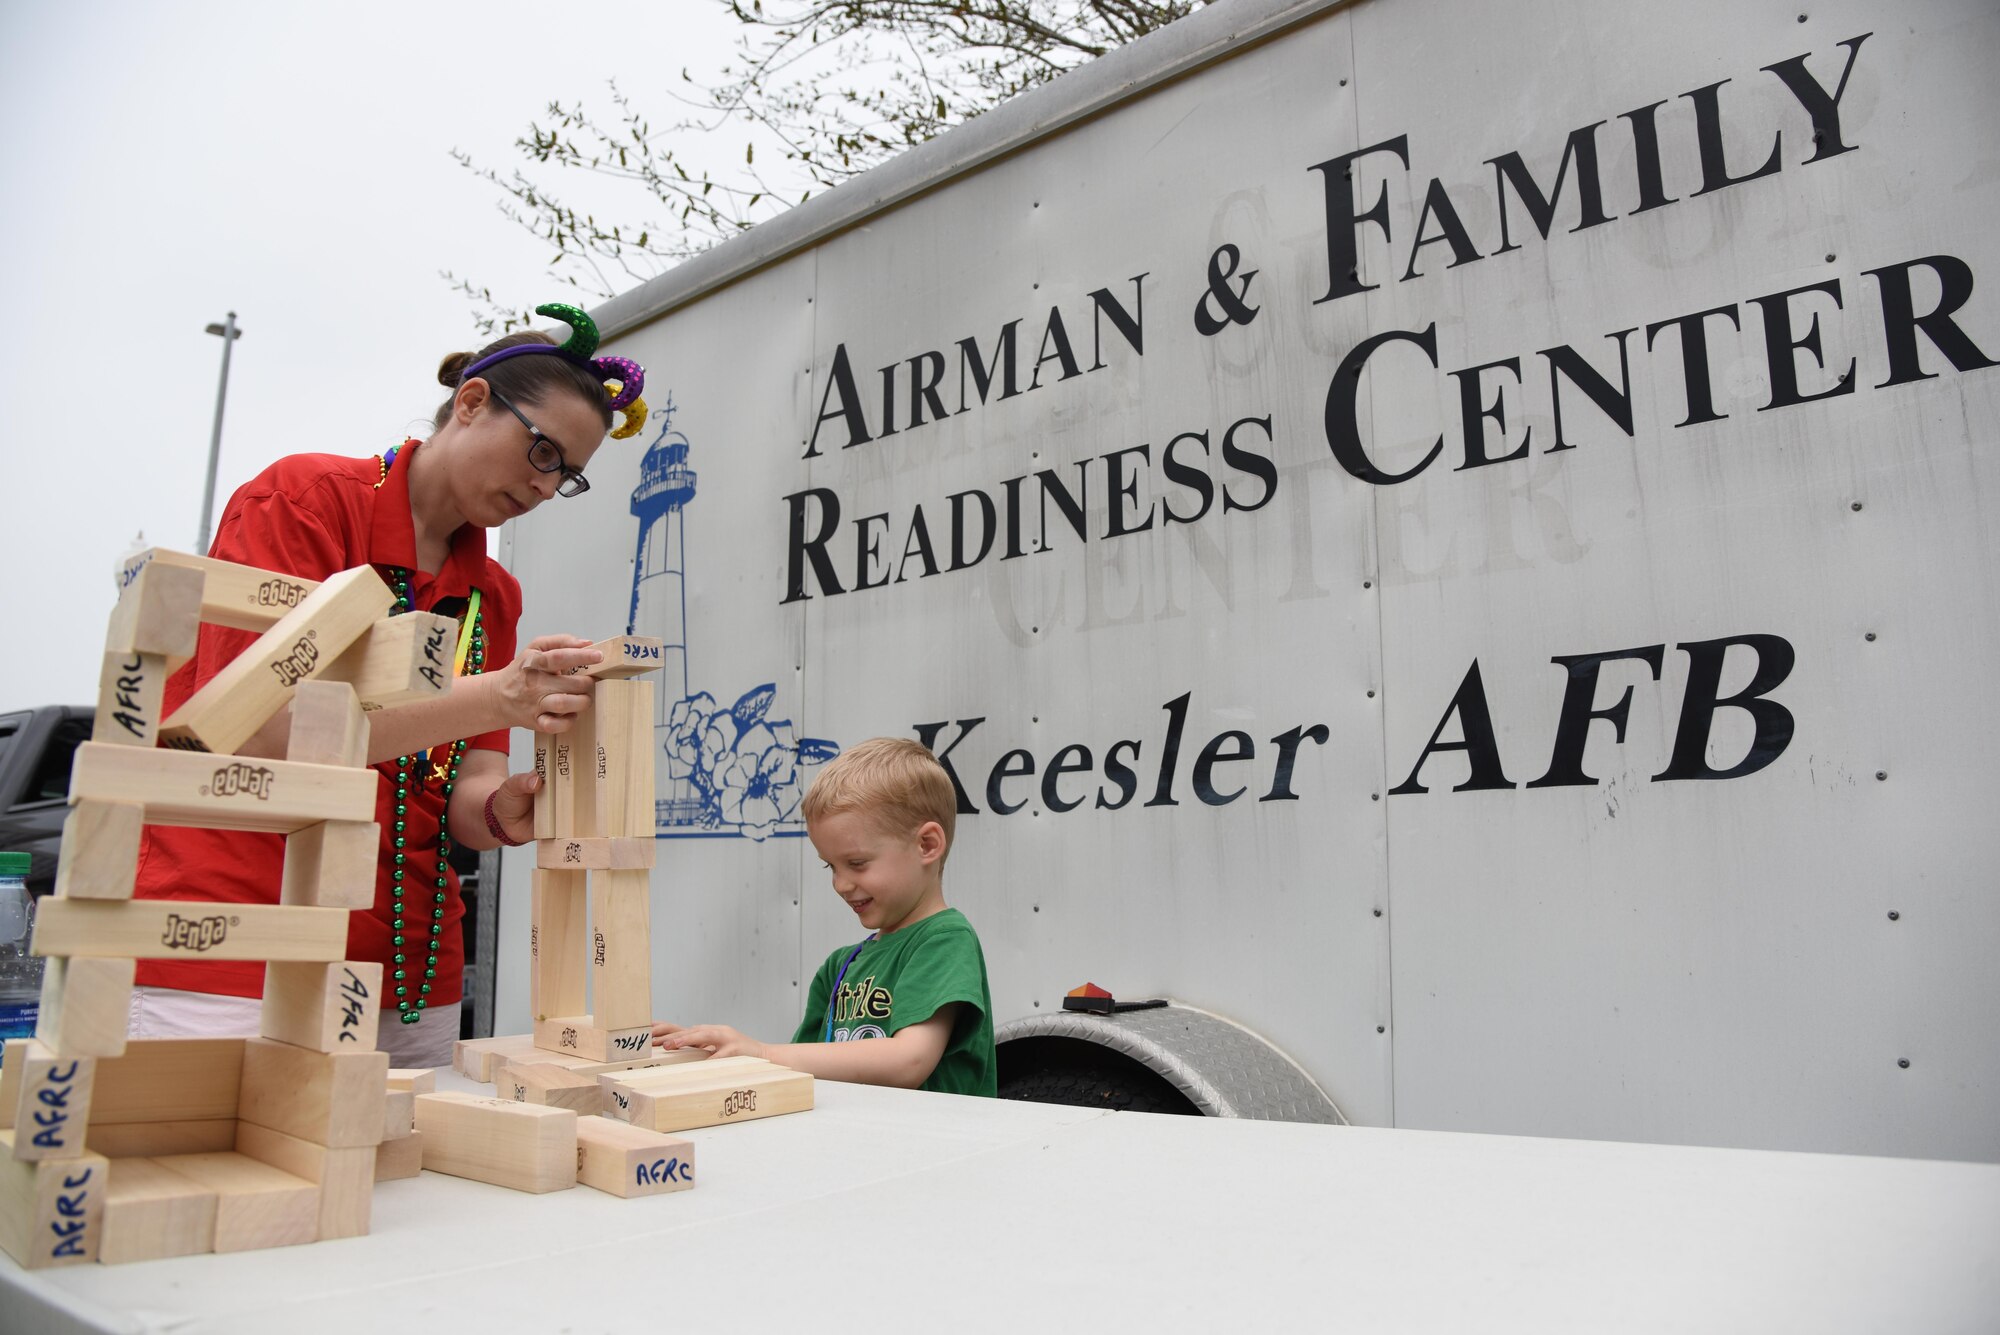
x=719 y=1040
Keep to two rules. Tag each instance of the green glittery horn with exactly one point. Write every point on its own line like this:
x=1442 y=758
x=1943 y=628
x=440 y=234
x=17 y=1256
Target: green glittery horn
x=583 y=338
x=581 y=348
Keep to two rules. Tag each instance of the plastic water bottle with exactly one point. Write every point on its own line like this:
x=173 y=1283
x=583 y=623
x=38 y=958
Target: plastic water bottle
x=20 y=972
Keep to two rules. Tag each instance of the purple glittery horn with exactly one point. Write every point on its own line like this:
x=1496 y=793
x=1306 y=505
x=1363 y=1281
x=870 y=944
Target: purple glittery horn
x=627 y=374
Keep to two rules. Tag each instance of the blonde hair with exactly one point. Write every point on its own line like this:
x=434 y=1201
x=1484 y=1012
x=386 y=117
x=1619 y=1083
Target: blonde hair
x=895 y=781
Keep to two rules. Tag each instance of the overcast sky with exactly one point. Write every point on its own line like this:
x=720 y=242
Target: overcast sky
x=165 y=164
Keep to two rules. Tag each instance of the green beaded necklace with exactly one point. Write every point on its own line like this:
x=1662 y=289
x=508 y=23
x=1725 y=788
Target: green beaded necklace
x=473 y=655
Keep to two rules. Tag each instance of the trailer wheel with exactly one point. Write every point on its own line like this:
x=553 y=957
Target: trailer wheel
x=1082 y=1075
x=1173 y=1058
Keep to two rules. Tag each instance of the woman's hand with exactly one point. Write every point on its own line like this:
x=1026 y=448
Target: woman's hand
x=537 y=690
x=514 y=805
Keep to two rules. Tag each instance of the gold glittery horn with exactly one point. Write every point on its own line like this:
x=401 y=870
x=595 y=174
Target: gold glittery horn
x=635 y=416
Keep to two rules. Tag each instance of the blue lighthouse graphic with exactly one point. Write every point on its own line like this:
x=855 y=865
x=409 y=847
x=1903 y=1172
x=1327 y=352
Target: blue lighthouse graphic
x=731 y=770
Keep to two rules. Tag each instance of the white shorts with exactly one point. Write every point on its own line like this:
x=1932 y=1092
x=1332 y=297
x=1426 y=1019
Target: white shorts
x=163 y=1012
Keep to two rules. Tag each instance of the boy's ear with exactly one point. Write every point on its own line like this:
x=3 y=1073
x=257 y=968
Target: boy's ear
x=930 y=841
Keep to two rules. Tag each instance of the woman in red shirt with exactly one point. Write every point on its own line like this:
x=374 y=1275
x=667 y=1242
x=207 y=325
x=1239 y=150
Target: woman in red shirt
x=523 y=421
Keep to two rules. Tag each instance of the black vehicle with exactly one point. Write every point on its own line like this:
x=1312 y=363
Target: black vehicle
x=36 y=748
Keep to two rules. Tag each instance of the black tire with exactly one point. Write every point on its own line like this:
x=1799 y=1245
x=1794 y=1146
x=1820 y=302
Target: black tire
x=1102 y=1080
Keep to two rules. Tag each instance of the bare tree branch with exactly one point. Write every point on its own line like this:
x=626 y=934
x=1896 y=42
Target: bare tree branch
x=833 y=86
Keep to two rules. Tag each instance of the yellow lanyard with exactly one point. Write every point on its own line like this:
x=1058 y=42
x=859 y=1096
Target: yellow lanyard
x=465 y=633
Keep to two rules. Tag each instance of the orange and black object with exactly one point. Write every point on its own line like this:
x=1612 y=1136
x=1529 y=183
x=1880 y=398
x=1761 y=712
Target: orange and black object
x=1096 y=1001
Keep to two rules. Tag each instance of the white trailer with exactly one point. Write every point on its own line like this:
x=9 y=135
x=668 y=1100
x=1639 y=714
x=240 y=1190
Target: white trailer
x=1454 y=541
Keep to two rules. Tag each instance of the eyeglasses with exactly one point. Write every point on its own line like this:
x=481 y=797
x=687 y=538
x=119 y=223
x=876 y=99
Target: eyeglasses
x=545 y=454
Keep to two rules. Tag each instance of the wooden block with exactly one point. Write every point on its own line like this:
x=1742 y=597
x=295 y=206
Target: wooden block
x=557 y=969
x=596 y=854
x=418 y=1079
x=629 y=1161
x=345 y=1177
x=332 y=1098
x=222 y=792
x=551 y=1085
x=399 y=660
x=331 y=865
x=621 y=955
x=399 y=1158
x=169 y=1080
x=239 y=596
x=580 y=1035
x=326 y=1007
x=100 y=850
x=161 y=929
x=575 y=784
x=692 y=1073
x=524 y=1146
x=131 y=689
x=625 y=738
x=50 y=1104
x=743 y=1097
x=576 y=1065
x=229 y=709
x=151 y=1212
x=86 y=1003
x=158 y=612
x=399 y=1114
x=545 y=802
x=51 y=1211
x=625 y=656
x=135 y=1140
x=256 y=1205
x=581 y=1066
x=328 y=727
x=13 y=1056
x=481 y=1058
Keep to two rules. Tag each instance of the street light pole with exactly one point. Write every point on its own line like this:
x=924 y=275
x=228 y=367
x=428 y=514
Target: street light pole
x=229 y=333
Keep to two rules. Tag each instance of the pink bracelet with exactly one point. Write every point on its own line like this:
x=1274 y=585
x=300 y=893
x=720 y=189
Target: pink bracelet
x=493 y=823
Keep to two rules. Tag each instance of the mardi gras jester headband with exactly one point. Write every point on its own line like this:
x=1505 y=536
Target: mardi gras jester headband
x=624 y=379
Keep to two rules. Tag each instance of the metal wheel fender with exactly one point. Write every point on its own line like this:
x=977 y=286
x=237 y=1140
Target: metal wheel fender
x=1222 y=1068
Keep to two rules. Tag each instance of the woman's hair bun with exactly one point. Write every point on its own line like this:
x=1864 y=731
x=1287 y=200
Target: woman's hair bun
x=453 y=367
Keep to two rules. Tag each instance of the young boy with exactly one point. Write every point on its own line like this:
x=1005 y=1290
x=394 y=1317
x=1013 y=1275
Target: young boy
x=908 y=1006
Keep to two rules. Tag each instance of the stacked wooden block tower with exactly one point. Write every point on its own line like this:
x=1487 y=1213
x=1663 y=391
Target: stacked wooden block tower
x=594 y=1069
x=594 y=867
x=117 y=1150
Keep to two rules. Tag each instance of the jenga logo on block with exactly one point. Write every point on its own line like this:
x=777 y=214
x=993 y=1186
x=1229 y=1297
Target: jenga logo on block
x=246 y=780
x=194 y=933
x=743 y=1100
x=297 y=665
x=280 y=593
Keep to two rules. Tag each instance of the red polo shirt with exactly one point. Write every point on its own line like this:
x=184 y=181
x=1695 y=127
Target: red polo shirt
x=313 y=515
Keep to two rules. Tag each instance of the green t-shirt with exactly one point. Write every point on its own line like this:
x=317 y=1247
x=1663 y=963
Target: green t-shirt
x=904 y=979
